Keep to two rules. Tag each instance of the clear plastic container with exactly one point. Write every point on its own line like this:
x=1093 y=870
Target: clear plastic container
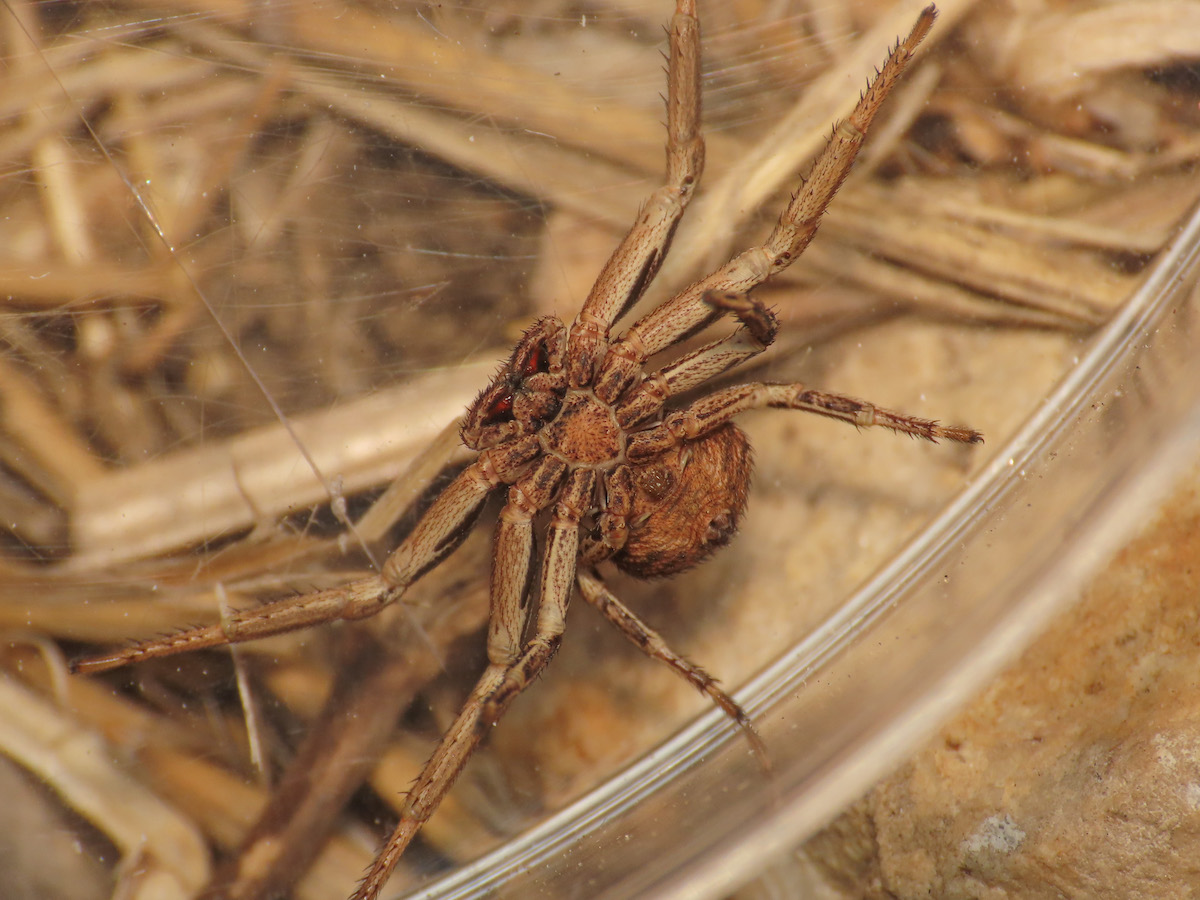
x=695 y=818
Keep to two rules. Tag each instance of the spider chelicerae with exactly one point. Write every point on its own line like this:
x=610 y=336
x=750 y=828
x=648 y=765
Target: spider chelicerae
x=576 y=428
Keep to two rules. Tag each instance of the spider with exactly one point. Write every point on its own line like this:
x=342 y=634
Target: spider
x=577 y=429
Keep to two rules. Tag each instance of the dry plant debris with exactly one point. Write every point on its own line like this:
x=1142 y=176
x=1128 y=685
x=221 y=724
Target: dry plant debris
x=373 y=210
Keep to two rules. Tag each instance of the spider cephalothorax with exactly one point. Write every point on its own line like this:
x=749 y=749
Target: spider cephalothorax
x=578 y=430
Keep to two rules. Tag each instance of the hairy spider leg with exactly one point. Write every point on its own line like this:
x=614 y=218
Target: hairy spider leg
x=597 y=594
x=439 y=532
x=512 y=664
x=719 y=408
x=687 y=311
x=637 y=258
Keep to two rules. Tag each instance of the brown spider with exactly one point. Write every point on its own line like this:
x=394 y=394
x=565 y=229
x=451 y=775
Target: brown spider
x=574 y=423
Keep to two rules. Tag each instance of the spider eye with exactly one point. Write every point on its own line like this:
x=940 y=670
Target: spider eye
x=500 y=409
x=535 y=362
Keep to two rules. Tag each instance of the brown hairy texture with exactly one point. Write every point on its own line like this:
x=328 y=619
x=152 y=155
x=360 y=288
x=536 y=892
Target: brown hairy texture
x=687 y=504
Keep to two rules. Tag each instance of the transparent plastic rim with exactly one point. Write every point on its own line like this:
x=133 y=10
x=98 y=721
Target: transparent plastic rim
x=909 y=647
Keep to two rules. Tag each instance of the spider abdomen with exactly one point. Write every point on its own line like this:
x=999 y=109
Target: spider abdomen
x=687 y=503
